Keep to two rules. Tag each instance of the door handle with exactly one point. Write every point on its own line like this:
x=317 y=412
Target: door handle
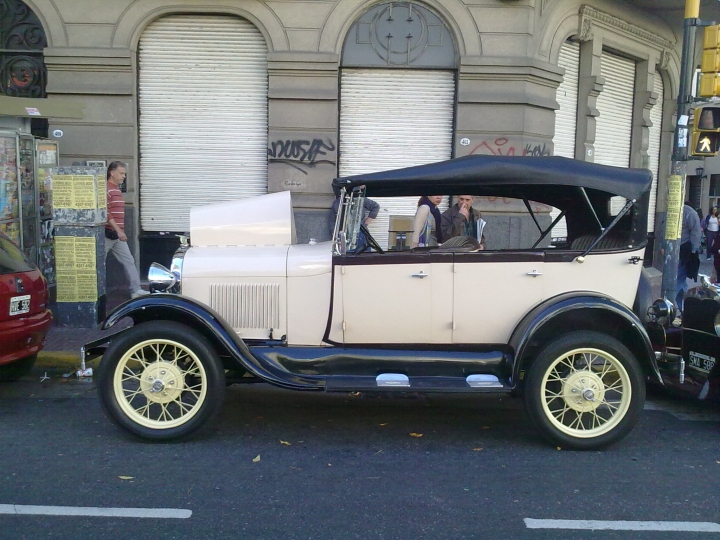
x=420 y=274
x=534 y=273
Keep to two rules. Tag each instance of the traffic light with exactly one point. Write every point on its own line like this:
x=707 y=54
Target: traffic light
x=710 y=78
x=706 y=131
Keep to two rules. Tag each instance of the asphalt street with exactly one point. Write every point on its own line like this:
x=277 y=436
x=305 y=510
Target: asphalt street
x=284 y=465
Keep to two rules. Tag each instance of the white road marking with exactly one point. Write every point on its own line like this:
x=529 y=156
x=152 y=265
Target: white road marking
x=676 y=526
x=32 y=510
x=684 y=411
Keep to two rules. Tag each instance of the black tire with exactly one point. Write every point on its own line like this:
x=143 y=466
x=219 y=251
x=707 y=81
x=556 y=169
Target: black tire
x=19 y=368
x=161 y=381
x=581 y=406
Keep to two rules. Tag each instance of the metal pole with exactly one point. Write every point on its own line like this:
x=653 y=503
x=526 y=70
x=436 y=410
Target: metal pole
x=676 y=181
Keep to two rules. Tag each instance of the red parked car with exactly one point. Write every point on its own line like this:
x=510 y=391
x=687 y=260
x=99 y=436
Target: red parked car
x=24 y=315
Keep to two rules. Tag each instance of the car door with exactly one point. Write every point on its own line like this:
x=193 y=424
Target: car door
x=493 y=290
x=396 y=298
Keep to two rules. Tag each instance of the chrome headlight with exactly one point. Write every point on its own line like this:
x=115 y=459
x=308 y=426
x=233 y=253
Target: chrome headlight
x=717 y=323
x=160 y=278
x=661 y=312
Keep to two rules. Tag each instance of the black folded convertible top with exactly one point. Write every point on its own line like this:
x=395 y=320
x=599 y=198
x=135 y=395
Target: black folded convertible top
x=480 y=175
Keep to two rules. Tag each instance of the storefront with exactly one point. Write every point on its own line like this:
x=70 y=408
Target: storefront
x=229 y=101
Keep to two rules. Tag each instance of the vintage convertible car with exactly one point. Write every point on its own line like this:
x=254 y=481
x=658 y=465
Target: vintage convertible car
x=687 y=356
x=551 y=322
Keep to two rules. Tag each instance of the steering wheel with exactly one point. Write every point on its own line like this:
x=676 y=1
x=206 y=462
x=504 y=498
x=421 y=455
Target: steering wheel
x=370 y=241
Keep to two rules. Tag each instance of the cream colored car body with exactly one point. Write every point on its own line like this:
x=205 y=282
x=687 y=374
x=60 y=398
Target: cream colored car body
x=246 y=265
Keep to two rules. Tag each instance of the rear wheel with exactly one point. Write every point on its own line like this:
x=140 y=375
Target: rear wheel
x=585 y=391
x=161 y=381
x=17 y=369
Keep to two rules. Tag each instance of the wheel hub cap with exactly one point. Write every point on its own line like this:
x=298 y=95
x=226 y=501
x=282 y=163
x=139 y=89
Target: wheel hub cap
x=583 y=391
x=162 y=382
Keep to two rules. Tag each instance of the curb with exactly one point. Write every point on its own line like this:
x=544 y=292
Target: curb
x=57 y=359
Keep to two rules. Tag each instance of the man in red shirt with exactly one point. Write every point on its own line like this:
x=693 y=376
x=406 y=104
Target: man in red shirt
x=115 y=237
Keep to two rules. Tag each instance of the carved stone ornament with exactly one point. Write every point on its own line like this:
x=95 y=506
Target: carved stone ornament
x=399 y=34
x=591 y=18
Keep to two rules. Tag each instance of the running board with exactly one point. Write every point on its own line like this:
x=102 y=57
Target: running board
x=397 y=382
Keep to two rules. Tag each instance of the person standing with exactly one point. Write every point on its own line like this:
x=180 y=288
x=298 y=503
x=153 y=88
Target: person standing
x=711 y=228
x=426 y=229
x=115 y=237
x=688 y=260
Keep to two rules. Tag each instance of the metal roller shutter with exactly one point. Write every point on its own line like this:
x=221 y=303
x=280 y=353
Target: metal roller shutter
x=203 y=116
x=654 y=147
x=566 y=115
x=391 y=119
x=614 y=125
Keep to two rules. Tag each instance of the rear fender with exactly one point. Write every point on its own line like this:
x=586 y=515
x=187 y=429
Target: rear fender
x=184 y=310
x=588 y=311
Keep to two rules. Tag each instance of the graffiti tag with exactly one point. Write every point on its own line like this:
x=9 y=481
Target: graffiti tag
x=503 y=147
x=300 y=153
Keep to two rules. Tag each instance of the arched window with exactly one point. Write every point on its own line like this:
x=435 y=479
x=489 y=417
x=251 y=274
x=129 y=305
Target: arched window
x=22 y=40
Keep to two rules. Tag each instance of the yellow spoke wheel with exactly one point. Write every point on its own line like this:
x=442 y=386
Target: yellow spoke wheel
x=584 y=390
x=160 y=383
x=161 y=380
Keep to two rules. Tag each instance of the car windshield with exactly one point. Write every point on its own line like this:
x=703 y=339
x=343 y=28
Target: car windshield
x=12 y=260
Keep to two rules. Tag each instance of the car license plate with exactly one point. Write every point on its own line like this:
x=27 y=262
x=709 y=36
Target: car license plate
x=20 y=305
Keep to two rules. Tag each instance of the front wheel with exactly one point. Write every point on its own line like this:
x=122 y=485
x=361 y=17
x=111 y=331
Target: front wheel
x=585 y=391
x=161 y=381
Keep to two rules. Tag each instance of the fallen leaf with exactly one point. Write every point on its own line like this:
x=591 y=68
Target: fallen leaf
x=476 y=449
x=126 y=477
x=256 y=458
x=296 y=468
x=354 y=394
x=329 y=464
x=285 y=443
x=416 y=434
x=486 y=427
x=385 y=424
x=559 y=448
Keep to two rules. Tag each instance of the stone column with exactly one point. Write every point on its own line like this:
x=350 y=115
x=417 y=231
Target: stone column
x=302 y=136
x=590 y=84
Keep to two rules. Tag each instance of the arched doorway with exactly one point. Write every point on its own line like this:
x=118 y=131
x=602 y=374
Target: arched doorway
x=397 y=97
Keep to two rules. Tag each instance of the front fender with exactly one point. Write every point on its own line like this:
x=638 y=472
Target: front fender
x=172 y=307
x=587 y=311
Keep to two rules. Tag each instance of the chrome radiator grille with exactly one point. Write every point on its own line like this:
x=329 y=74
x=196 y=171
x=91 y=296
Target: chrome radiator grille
x=247 y=305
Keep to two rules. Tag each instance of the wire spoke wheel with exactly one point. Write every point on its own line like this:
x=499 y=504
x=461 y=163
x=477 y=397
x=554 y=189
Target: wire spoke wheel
x=160 y=383
x=161 y=380
x=584 y=390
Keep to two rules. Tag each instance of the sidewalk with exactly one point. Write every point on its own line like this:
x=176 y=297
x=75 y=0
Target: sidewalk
x=62 y=345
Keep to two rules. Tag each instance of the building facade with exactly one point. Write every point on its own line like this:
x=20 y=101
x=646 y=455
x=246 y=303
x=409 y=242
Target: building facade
x=242 y=97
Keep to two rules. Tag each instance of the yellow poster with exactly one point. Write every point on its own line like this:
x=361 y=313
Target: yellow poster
x=101 y=192
x=673 y=224
x=62 y=187
x=76 y=269
x=84 y=196
x=79 y=191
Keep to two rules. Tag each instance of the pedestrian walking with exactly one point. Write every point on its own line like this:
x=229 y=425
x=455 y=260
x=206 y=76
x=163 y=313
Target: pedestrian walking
x=711 y=228
x=115 y=237
x=688 y=260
